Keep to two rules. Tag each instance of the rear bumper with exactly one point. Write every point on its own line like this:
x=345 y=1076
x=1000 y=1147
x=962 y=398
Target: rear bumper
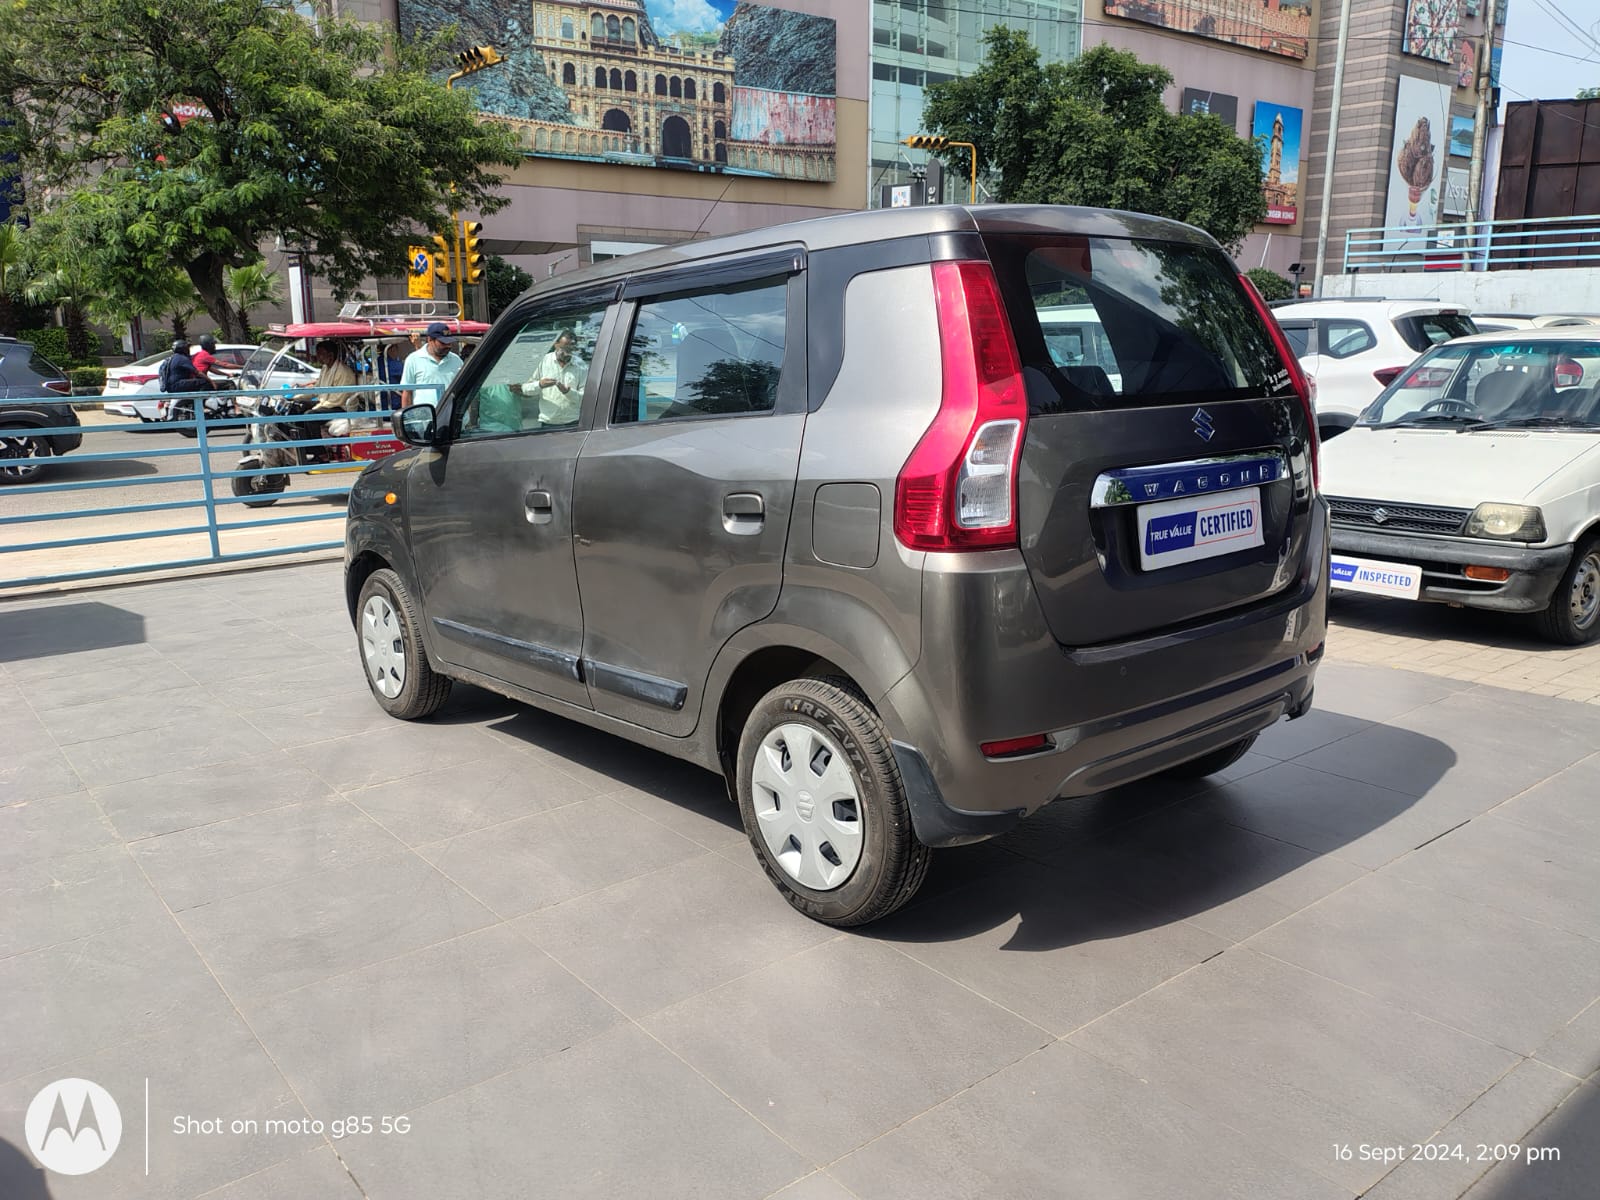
x=1535 y=570
x=1111 y=714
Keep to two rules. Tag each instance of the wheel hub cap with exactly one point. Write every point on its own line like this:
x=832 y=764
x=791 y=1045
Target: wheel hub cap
x=383 y=647
x=807 y=805
x=1586 y=592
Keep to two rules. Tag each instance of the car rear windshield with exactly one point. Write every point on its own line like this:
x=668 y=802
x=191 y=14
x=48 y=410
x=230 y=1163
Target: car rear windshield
x=47 y=368
x=1122 y=322
x=1429 y=329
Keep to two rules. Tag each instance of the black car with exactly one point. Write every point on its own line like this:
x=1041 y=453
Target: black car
x=26 y=377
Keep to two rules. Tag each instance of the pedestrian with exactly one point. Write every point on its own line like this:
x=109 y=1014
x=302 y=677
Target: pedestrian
x=558 y=382
x=431 y=368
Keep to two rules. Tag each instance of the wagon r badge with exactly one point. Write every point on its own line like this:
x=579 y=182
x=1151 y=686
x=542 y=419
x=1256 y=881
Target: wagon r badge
x=1203 y=428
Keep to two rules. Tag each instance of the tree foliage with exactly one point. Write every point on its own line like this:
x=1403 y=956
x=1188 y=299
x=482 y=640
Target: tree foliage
x=1270 y=284
x=505 y=281
x=334 y=136
x=10 y=271
x=1096 y=132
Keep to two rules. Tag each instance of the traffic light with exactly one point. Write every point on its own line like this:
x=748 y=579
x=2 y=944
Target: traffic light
x=441 y=258
x=471 y=255
x=476 y=58
x=927 y=141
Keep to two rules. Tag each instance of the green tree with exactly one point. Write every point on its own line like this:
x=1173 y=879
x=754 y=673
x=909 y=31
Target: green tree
x=1270 y=284
x=505 y=282
x=335 y=136
x=1589 y=93
x=10 y=272
x=1096 y=132
x=65 y=285
x=250 y=287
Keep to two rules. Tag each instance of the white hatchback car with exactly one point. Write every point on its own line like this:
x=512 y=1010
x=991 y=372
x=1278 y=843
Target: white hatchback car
x=1354 y=348
x=138 y=393
x=1474 y=480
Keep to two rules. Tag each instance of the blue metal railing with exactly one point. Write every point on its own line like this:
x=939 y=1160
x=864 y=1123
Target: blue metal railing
x=1475 y=245
x=207 y=491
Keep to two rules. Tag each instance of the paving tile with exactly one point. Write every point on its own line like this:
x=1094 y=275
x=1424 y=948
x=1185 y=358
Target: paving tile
x=606 y=761
x=1295 y=1061
x=1375 y=694
x=1053 y=947
x=326 y=677
x=35 y=831
x=1184 y=864
x=132 y=684
x=1380 y=936
x=180 y=708
x=843 y=1043
x=318 y=1175
x=1576 y=1048
x=615 y=1116
x=228 y=858
x=819 y=1185
x=1059 y=829
x=69 y=897
x=66 y=628
x=394 y=753
x=660 y=938
x=1329 y=814
x=1564 y=804
x=204 y=1068
x=84 y=662
x=211 y=660
x=433 y=805
x=399 y=1034
x=319 y=719
x=690 y=802
x=69 y=1000
x=1072 y=1126
x=1501 y=1116
x=1570 y=1133
x=267 y=942
x=36 y=773
x=1318 y=728
x=1544 y=877
x=183 y=799
x=213 y=740
x=553 y=856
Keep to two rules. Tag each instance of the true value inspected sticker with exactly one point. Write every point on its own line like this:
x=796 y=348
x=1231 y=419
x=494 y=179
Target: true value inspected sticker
x=1183 y=530
x=1400 y=580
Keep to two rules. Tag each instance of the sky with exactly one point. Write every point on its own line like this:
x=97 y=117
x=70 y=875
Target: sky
x=687 y=16
x=1568 y=63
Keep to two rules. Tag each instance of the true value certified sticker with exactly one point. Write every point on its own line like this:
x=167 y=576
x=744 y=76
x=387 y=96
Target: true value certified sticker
x=1400 y=580
x=1183 y=530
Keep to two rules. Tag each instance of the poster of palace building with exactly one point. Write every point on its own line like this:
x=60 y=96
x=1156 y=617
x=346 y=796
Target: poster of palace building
x=1276 y=26
x=723 y=86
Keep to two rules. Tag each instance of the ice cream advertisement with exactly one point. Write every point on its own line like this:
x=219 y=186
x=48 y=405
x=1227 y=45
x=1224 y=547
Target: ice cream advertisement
x=1416 y=158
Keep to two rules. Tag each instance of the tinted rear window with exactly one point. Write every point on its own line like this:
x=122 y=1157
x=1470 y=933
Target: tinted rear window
x=46 y=368
x=1423 y=331
x=1119 y=322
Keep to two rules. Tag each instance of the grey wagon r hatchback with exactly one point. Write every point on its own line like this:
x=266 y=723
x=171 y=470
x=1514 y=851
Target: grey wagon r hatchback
x=821 y=508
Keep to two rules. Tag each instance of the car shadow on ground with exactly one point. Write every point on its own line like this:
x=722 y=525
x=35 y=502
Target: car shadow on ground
x=1134 y=858
x=1436 y=622
x=67 y=629
x=20 y=1179
x=66 y=469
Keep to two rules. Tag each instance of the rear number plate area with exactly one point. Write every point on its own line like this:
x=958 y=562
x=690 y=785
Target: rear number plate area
x=1205 y=526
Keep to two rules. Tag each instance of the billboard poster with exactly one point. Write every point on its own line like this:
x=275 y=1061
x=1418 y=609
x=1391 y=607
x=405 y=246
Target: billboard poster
x=1416 y=154
x=1466 y=63
x=1277 y=131
x=1461 y=136
x=1276 y=26
x=1431 y=29
x=724 y=86
x=1219 y=104
x=1455 y=192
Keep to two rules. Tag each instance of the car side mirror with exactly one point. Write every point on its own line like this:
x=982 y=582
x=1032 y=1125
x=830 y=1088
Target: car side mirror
x=416 y=425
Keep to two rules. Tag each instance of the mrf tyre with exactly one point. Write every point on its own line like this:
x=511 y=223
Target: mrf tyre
x=1572 y=617
x=824 y=805
x=1218 y=760
x=388 y=636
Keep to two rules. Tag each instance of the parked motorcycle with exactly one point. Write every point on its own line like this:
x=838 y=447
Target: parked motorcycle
x=282 y=444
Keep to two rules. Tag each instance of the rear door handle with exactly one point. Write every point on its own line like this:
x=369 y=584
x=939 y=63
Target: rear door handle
x=743 y=512
x=540 y=509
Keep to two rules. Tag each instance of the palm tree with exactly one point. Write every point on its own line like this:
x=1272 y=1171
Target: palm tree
x=64 y=286
x=250 y=287
x=10 y=261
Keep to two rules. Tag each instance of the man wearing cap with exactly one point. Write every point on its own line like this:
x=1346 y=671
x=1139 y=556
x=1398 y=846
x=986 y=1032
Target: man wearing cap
x=431 y=368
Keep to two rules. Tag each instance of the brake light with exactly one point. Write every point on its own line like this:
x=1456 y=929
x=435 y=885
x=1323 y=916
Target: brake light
x=1012 y=747
x=1297 y=376
x=137 y=380
x=958 y=490
x=59 y=386
x=1387 y=375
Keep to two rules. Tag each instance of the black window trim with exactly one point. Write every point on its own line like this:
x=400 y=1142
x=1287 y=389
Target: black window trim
x=1323 y=348
x=706 y=274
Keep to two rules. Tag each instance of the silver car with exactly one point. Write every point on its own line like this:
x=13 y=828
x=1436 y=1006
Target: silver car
x=817 y=508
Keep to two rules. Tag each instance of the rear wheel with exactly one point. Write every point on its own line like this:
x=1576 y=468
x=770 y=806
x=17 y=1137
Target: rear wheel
x=21 y=456
x=402 y=680
x=824 y=805
x=182 y=411
x=1217 y=760
x=1573 y=615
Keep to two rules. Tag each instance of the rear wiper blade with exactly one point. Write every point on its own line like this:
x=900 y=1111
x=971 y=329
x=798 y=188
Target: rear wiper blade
x=1541 y=423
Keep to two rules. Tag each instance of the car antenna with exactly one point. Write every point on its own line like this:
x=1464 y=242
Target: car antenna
x=713 y=208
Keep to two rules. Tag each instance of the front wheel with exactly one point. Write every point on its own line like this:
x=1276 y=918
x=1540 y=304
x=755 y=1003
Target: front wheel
x=262 y=490
x=21 y=457
x=824 y=805
x=402 y=680
x=1573 y=616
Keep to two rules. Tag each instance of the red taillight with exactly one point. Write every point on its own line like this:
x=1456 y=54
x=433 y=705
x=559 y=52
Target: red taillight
x=1010 y=747
x=59 y=386
x=1297 y=377
x=1387 y=375
x=136 y=380
x=958 y=490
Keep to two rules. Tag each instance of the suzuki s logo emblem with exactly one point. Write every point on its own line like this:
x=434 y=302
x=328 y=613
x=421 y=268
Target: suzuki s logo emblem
x=1203 y=428
x=1380 y=515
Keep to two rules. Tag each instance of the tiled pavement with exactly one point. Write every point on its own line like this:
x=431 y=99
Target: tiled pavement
x=552 y=956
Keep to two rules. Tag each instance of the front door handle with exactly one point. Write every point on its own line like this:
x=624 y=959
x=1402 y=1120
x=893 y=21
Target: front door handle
x=743 y=512
x=538 y=506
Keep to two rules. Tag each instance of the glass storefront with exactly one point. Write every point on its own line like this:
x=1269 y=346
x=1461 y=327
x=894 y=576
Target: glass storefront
x=920 y=42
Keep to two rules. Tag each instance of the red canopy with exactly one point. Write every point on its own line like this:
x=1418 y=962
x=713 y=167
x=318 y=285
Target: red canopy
x=373 y=328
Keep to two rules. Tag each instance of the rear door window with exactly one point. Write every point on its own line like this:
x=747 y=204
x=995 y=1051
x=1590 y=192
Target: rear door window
x=1122 y=322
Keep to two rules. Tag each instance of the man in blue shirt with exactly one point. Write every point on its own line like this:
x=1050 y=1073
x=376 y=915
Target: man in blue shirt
x=430 y=369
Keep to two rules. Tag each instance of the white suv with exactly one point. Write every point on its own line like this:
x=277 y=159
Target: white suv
x=1355 y=348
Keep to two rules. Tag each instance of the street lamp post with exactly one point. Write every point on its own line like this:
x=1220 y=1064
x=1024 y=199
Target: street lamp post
x=472 y=60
